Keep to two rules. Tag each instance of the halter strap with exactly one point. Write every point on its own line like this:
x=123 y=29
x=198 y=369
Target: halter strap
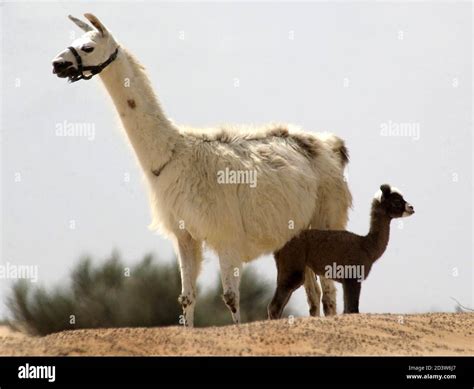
x=93 y=69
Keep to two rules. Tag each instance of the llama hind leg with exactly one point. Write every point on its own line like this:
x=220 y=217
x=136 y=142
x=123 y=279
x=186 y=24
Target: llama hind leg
x=319 y=221
x=189 y=255
x=231 y=268
x=336 y=220
x=333 y=216
x=329 y=296
x=313 y=292
x=286 y=285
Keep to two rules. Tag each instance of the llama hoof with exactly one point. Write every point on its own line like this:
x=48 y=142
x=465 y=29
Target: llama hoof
x=236 y=318
x=329 y=308
x=351 y=311
x=314 y=311
x=272 y=314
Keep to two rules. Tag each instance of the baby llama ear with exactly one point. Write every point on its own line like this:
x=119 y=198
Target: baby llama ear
x=97 y=23
x=386 y=190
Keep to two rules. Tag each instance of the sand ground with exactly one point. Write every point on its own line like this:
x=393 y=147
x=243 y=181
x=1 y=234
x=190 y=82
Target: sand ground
x=364 y=334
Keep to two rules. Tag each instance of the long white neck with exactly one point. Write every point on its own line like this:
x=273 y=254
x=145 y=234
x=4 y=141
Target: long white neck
x=152 y=135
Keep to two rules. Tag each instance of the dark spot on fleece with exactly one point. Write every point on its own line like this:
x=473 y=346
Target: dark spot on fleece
x=131 y=103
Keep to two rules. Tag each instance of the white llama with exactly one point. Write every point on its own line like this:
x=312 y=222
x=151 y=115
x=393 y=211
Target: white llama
x=300 y=180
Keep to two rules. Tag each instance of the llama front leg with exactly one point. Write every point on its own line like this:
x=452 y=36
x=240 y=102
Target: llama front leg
x=351 y=295
x=189 y=253
x=231 y=269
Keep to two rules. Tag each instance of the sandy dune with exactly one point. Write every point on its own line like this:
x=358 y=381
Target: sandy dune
x=365 y=334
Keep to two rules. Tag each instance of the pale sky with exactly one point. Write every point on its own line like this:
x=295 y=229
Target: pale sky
x=352 y=68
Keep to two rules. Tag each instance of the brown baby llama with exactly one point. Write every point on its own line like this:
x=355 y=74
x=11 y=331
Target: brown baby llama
x=340 y=255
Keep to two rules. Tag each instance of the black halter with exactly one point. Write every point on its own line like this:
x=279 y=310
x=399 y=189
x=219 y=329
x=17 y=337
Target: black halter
x=93 y=69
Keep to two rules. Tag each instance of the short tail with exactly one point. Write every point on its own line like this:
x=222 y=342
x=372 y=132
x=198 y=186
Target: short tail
x=338 y=146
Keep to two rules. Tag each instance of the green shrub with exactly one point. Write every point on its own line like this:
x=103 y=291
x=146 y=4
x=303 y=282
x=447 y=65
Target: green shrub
x=101 y=296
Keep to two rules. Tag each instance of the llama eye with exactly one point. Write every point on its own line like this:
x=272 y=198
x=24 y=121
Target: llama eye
x=87 y=49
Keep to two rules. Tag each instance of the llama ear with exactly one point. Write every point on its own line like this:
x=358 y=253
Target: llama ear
x=97 y=24
x=82 y=25
x=386 y=190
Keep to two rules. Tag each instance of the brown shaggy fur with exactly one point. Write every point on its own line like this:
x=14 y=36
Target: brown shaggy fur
x=318 y=249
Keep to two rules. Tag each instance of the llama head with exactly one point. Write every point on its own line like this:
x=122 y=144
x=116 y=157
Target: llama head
x=391 y=201
x=87 y=55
